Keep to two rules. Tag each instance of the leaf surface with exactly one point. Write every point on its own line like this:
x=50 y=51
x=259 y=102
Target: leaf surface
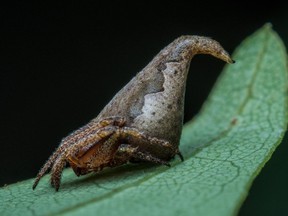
x=225 y=146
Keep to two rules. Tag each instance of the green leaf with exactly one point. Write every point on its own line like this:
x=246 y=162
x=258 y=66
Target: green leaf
x=225 y=147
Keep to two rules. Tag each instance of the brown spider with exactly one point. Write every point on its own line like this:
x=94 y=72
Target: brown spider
x=143 y=122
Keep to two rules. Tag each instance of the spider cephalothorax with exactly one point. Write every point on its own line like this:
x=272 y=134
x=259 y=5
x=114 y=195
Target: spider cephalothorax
x=143 y=121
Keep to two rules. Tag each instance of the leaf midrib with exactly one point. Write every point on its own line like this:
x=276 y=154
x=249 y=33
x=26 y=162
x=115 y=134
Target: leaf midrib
x=255 y=72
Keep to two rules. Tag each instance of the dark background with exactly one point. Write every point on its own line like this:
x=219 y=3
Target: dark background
x=62 y=62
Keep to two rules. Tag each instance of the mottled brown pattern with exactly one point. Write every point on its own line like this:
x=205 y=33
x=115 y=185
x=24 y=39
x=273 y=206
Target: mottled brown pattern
x=143 y=121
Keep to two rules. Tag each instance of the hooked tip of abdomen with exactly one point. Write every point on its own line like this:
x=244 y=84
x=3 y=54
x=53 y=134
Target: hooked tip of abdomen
x=190 y=45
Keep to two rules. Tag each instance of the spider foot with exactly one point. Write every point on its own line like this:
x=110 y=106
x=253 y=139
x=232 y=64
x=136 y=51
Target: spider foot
x=180 y=155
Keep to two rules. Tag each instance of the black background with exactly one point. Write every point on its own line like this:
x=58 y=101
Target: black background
x=62 y=62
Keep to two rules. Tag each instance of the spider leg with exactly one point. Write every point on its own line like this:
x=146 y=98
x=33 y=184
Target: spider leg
x=180 y=155
x=135 y=133
x=75 y=137
x=57 y=170
x=145 y=156
x=65 y=143
x=127 y=153
x=47 y=165
x=146 y=142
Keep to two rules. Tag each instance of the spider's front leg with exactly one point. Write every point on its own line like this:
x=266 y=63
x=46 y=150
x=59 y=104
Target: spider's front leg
x=92 y=148
x=86 y=134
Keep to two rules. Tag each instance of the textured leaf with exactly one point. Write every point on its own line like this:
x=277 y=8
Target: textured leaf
x=225 y=146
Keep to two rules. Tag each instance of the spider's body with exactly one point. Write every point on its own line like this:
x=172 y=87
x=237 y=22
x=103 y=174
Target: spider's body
x=143 y=122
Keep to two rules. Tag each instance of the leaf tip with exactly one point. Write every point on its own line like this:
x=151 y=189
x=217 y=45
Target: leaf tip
x=268 y=26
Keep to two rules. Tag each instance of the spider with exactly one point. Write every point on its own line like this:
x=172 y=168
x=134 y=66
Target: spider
x=143 y=122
